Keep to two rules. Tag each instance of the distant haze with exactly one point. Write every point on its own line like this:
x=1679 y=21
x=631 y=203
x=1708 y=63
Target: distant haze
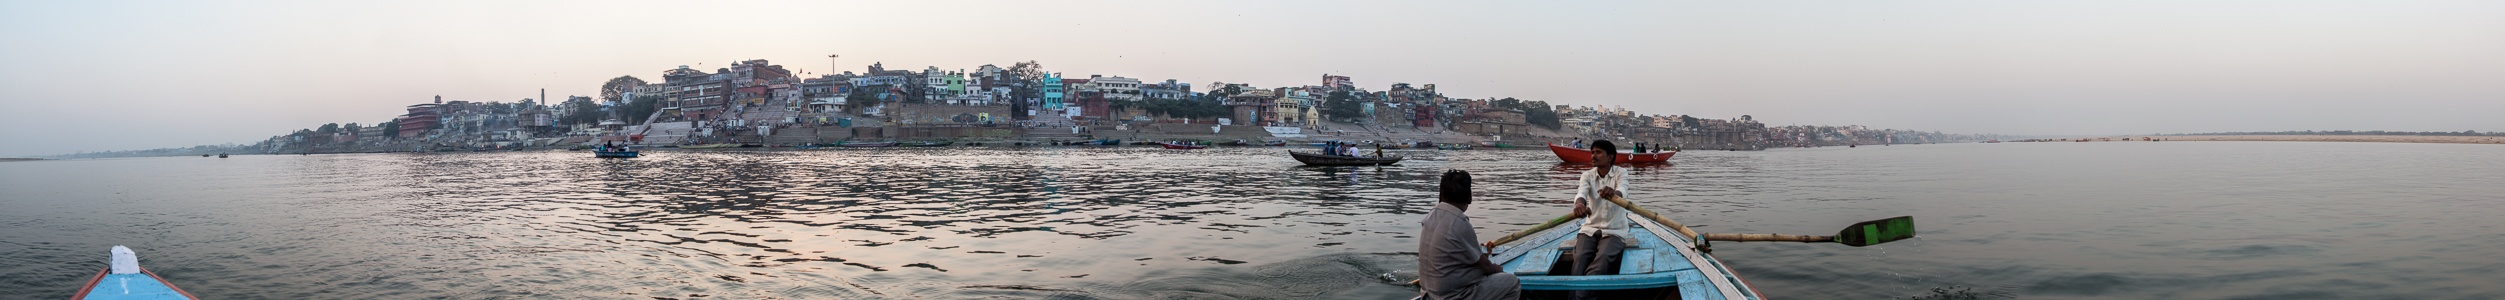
x=110 y=75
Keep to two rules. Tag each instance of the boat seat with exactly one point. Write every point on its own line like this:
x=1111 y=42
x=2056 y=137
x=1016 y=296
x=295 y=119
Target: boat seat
x=1537 y=262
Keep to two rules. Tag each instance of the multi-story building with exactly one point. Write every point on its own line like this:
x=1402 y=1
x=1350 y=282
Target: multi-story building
x=421 y=117
x=1168 y=90
x=1116 y=88
x=694 y=94
x=1053 y=96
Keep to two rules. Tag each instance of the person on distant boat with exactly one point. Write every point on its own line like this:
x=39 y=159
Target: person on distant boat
x=1452 y=264
x=1598 y=243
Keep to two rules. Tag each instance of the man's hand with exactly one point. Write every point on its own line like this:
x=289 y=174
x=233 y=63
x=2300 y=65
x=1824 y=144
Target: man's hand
x=1491 y=246
x=1580 y=209
x=1610 y=192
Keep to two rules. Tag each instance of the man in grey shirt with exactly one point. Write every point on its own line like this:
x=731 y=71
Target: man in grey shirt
x=1451 y=262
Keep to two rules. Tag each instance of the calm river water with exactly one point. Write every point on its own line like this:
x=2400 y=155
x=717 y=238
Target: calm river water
x=2195 y=220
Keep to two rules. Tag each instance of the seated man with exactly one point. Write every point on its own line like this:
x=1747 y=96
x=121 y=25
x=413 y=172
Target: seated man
x=1598 y=243
x=1451 y=262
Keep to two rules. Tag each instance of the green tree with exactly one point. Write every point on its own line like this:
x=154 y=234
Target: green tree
x=582 y=111
x=1341 y=105
x=391 y=129
x=638 y=110
x=326 y=129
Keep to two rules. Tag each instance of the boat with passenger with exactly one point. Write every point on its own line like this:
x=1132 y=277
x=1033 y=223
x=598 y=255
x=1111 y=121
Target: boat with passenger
x=1662 y=259
x=1574 y=155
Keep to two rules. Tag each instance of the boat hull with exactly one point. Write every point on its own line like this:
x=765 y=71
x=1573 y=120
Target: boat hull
x=868 y=145
x=1314 y=159
x=615 y=154
x=143 y=286
x=1656 y=261
x=1574 y=155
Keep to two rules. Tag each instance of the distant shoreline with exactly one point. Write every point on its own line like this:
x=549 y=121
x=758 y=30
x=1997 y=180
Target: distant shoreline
x=2438 y=139
x=6 y=159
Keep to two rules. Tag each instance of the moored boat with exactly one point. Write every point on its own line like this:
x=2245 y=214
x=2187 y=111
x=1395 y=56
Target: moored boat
x=122 y=278
x=1181 y=146
x=1574 y=155
x=868 y=144
x=1318 y=159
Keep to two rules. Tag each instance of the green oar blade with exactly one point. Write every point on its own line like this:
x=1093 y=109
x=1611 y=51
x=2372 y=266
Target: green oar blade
x=1878 y=231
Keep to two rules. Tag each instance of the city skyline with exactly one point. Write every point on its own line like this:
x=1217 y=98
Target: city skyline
x=121 y=76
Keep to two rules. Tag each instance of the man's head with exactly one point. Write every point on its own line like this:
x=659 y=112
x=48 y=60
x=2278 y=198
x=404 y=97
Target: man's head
x=1604 y=154
x=1456 y=189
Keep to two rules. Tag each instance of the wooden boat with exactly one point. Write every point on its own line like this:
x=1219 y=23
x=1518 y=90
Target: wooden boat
x=868 y=144
x=1318 y=159
x=1177 y=146
x=221 y=155
x=1658 y=263
x=616 y=154
x=933 y=144
x=122 y=278
x=1574 y=155
x=710 y=146
x=1108 y=142
x=1452 y=146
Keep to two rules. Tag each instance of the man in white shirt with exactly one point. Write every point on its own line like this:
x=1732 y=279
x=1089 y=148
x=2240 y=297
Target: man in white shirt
x=1598 y=243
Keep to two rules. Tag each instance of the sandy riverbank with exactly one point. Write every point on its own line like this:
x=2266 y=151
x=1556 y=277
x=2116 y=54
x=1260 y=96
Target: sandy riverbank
x=2338 y=138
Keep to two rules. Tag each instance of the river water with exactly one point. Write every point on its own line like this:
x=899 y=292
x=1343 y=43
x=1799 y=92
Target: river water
x=2115 y=220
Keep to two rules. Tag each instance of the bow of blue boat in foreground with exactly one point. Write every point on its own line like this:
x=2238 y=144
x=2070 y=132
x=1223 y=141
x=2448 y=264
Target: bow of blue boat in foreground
x=123 y=279
x=1657 y=264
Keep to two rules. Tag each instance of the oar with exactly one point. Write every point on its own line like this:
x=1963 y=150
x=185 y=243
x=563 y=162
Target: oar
x=1860 y=234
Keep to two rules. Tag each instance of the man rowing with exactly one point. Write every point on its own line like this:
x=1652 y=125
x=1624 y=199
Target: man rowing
x=1600 y=241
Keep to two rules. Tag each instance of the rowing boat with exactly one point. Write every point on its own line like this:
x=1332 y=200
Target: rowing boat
x=1181 y=146
x=1317 y=159
x=1574 y=155
x=1657 y=263
x=122 y=278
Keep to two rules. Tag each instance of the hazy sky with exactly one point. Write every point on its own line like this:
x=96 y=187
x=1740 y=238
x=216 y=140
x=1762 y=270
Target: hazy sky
x=109 y=75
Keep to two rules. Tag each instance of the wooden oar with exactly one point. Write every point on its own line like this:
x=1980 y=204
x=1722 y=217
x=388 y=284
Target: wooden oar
x=1860 y=234
x=1657 y=218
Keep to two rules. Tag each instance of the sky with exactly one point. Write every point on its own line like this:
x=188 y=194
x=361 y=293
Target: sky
x=123 y=75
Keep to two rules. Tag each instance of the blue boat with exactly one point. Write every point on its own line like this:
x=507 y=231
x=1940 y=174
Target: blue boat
x=615 y=152
x=122 y=279
x=1658 y=263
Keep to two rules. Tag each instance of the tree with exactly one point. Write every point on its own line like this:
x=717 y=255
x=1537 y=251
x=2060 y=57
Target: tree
x=332 y=128
x=638 y=110
x=1341 y=105
x=580 y=111
x=391 y=129
x=617 y=87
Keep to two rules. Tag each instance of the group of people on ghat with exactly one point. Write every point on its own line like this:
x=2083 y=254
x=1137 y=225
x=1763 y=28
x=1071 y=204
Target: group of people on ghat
x=1453 y=264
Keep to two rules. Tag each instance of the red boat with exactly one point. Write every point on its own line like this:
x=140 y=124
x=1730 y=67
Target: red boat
x=1574 y=155
x=1182 y=146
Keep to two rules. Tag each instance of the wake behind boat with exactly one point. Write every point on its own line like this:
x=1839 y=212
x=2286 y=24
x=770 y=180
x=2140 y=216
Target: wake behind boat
x=122 y=279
